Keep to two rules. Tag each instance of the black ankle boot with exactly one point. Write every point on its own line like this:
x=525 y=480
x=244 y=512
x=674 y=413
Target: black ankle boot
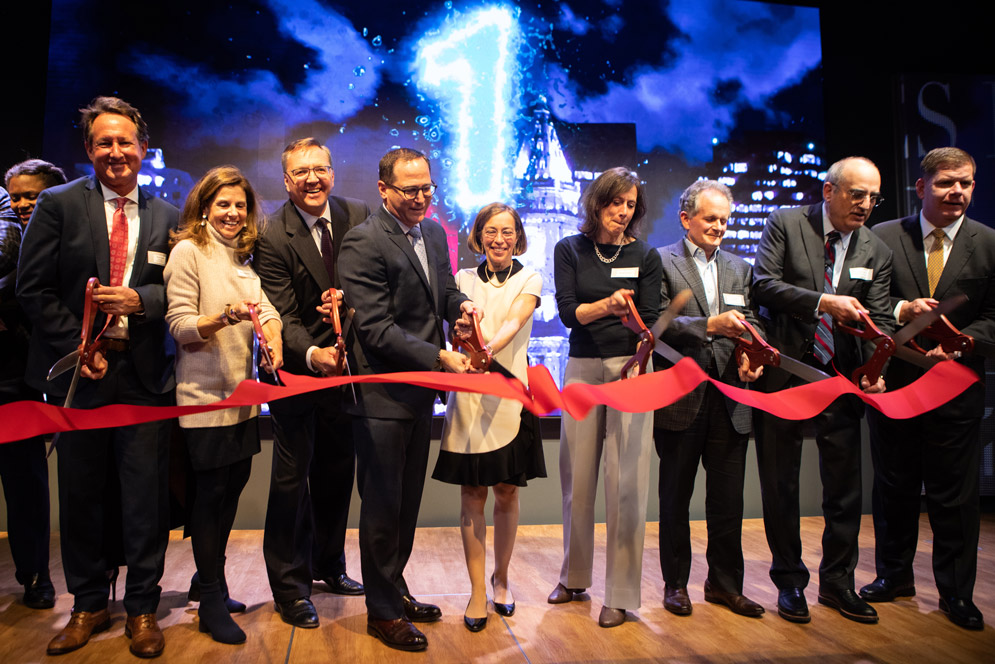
x=214 y=616
x=234 y=606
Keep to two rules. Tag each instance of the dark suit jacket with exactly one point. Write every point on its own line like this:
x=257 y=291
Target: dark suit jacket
x=293 y=275
x=64 y=245
x=686 y=333
x=970 y=270
x=399 y=312
x=14 y=328
x=788 y=278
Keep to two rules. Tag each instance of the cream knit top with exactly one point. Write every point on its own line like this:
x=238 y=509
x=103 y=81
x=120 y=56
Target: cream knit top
x=200 y=281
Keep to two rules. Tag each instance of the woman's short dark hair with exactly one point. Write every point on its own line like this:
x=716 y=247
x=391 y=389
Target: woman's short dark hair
x=50 y=174
x=475 y=241
x=606 y=188
x=199 y=200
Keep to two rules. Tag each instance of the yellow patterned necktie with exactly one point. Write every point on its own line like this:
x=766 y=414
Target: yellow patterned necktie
x=934 y=260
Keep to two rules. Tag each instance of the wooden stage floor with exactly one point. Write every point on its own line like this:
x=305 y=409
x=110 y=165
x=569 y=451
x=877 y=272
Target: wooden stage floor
x=910 y=630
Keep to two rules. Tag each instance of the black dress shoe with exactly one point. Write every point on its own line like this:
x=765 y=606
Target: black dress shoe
x=737 y=603
x=791 y=605
x=40 y=593
x=398 y=633
x=676 y=601
x=885 y=590
x=849 y=604
x=298 y=612
x=962 y=612
x=416 y=611
x=343 y=585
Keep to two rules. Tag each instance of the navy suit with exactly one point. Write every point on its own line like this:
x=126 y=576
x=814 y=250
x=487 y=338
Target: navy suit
x=788 y=278
x=398 y=327
x=65 y=244
x=703 y=426
x=941 y=448
x=306 y=521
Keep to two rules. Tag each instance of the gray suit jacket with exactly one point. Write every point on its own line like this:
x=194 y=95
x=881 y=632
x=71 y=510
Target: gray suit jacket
x=788 y=278
x=970 y=270
x=64 y=245
x=686 y=333
x=293 y=275
x=399 y=311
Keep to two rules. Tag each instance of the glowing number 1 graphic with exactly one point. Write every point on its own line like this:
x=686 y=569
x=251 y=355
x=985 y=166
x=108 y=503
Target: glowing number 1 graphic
x=470 y=68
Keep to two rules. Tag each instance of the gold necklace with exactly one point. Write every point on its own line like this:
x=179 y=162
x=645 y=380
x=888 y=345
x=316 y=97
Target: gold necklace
x=492 y=277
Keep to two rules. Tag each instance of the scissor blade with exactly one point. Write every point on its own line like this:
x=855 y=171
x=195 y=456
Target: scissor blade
x=915 y=357
x=64 y=365
x=927 y=318
x=802 y=370
x=675 y=307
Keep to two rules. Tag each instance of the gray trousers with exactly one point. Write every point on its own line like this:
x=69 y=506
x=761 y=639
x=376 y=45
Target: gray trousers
x=627 y=442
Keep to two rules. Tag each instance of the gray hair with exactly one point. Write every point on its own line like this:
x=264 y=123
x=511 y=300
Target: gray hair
x=835 y=173
x=689 y=199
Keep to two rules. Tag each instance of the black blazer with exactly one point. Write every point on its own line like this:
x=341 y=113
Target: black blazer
x=686 y=333
x=788 y=277
x=65 y=244
x=970 y=270
x=399 y=312
x=293 y=275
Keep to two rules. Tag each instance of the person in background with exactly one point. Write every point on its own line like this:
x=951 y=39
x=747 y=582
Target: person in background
x=594 y=271
x=23 y=467
x=209 y=288
x=488 y=441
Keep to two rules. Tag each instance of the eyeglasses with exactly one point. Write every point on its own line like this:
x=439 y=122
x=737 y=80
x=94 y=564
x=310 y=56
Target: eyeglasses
x=492 y=233
x=858 y=196
x=302 y=173
x=411 y=193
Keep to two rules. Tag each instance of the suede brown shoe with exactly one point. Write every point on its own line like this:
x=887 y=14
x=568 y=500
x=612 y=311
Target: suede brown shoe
x=610 y=617
x=561 y=594
x=76 y=633
x=146 y=637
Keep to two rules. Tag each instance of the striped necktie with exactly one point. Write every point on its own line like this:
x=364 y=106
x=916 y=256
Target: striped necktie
x=825 y=347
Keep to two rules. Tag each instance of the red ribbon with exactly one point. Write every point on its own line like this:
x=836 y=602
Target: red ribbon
x=24 y=419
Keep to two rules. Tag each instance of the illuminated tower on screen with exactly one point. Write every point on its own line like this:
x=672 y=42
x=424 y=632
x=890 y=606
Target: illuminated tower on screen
x=548 y=197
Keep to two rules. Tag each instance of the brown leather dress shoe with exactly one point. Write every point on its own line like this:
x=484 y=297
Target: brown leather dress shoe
x=611 y=617
x=146 y=637
x=561 y=594
x=739 y=604
x=676 y=601
x=77 y=632
x=398 y=633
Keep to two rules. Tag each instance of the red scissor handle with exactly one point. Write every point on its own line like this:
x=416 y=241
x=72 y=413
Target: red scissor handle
x=89 y=346
x=951 y=339
x=758 y=351
x=474 y=347
x=884 y=348
x=644 y=346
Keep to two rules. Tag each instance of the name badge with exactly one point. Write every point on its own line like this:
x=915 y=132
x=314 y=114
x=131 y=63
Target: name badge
x=245 y=274
x=734 y=299
x=157 y=258
x=862 y=273
x=625 y=272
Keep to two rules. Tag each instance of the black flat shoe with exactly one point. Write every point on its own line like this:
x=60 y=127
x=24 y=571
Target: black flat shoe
x=475 y=624
x=506 y=610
